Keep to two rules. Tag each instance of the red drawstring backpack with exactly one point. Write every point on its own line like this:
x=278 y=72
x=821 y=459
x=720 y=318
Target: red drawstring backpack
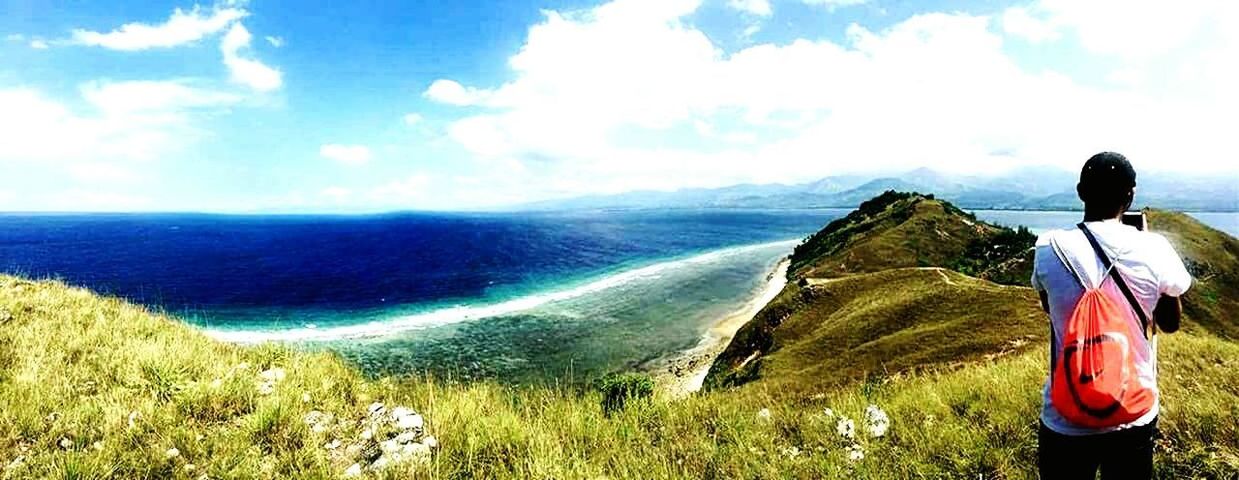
x=1095 y=379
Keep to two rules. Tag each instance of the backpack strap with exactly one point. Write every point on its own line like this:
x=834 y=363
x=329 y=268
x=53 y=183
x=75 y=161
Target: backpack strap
x=1118 y=280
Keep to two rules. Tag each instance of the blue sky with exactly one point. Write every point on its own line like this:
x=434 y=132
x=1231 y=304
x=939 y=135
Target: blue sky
x=372 y=106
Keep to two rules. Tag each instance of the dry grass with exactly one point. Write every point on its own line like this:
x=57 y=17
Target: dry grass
x=74 y=366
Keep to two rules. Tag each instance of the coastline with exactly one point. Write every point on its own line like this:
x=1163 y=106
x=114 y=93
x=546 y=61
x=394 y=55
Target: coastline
x=683 y=374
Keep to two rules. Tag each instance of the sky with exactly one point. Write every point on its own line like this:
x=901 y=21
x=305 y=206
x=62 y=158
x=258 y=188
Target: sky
x=294 y=106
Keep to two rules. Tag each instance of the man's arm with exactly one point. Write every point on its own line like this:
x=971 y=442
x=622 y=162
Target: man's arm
x=1167 y=313
x=1174 y=281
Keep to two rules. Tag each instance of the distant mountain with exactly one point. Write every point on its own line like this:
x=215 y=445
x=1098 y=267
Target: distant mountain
x=1021 y=189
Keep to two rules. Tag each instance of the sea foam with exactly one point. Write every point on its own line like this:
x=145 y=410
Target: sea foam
x=449 y=315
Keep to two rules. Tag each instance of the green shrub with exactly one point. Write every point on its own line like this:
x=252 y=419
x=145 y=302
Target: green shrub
x=619 y=388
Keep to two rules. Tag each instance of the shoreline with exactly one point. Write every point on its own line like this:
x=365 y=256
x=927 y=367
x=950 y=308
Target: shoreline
x=380 y=328
x=684 y=372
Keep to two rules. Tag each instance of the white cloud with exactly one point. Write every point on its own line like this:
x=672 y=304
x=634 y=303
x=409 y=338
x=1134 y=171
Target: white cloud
x=94 y=200
x=246 y=71
x=180 y=28
x=833 y=4
x=610 y=99
x=405 y=191
x=452 y=93
x=34 y=127
x=38 y=44
x=276 y=42
x=1017 y=21
x=152 y=96
x=413 y=119
x=14 y=37
x=103 y=172
x=337 y=194
x=346 y=154
x=755 y=7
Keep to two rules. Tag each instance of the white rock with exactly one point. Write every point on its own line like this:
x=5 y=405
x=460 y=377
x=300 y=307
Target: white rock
x=856 y=453
x=406 y=437
x=318 y=428
x=332 y=445
x=846 y=428
x=388 y=446
x=189 y=468
x=274 y=374
x=305 y=398
x=367 y=434
x=266 y=388
x=410 y=422
x=133 y=416
x=764 y=414
x=430 y=442
x=65 y=443
x=353 y=471
x=401 y=412
x=172 y=453
x=314 y=417
x=876 y=421
x=416 y=450
x=375 y=409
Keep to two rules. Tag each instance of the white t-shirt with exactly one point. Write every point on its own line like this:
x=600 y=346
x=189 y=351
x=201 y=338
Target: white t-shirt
x=1150 y=267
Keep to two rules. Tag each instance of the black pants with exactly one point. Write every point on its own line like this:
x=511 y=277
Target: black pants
x=1123 y=454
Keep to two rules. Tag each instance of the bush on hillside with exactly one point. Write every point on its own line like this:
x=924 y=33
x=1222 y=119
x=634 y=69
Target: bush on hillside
x=619 y=388
x=992 y=251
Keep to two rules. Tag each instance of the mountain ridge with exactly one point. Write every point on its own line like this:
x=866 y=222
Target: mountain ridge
x=1020 y=189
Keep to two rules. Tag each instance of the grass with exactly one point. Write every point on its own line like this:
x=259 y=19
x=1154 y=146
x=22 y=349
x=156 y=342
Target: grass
x=94 y=387
x=75 y=367
x=895 y=230
x=847 y=329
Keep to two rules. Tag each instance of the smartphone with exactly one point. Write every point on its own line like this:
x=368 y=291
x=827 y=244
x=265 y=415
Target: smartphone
x=1135 y=219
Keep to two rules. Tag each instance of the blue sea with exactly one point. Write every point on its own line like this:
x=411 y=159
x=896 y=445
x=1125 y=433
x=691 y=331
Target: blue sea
x=504 y=295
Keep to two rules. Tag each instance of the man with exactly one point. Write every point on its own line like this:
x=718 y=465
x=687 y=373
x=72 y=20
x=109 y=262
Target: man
x=1066 y=261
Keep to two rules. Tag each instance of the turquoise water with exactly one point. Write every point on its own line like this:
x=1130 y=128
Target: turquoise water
x=520 y=297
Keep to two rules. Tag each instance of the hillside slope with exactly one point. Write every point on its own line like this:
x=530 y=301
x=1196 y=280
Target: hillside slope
x=822 y=333
x=856 y=311
x=1212 y=257
x=897 y=230
x=93 y=387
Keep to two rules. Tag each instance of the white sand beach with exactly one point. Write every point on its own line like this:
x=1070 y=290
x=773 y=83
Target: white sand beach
x=684 y=373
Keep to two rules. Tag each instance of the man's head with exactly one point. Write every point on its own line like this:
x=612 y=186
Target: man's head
x=1107 y=184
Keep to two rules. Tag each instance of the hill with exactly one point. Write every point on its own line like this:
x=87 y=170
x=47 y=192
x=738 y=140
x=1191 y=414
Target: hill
x=855 y=309
x=93 y=387
x=826 y=332
x=895 y=230
x=1212 y=257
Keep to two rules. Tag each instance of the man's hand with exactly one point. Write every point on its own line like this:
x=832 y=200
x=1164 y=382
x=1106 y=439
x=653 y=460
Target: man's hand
x=1167 y=313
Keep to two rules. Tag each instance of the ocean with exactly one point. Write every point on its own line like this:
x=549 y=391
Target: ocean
x=520 y=297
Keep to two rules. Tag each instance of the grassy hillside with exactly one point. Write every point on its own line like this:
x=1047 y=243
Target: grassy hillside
x=1212 y=257
x=879 y=292
x=75 y=367
x=828 y=332
x=897 y=230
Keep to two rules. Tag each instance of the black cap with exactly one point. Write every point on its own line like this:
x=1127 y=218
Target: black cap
x=1107 y=172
